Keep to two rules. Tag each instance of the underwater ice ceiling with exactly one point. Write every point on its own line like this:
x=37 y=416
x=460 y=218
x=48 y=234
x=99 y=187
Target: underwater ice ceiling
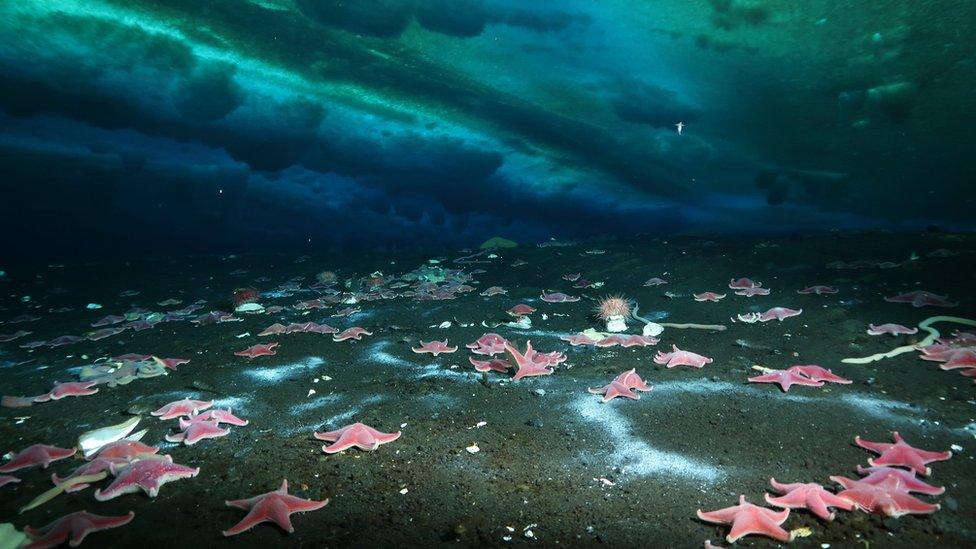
x=442 y=122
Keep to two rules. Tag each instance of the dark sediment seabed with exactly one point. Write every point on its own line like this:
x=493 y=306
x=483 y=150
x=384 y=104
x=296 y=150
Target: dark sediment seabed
x=555 y=466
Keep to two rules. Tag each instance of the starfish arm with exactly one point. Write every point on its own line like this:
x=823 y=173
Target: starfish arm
x=346 y=440
x=300 y=505
x=278 y=511
x=365 y=440
x=833 y=500
x=252 y=519
x=876 y=447
x=818 y=506
x=721 y=516
x=784 y=488
x=383 y=438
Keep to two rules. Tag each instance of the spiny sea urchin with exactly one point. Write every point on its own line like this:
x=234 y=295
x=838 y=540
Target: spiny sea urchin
x=612 y=306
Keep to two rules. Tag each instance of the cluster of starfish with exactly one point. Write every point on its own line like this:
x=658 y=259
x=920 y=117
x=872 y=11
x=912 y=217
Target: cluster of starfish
x=955 y=353
x=885 y=489
x=527 y=364
x=810 y=375
x=195 y=423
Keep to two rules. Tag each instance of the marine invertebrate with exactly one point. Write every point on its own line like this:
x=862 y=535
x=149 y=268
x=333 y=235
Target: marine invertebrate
x=614 y=310
x=245 y=295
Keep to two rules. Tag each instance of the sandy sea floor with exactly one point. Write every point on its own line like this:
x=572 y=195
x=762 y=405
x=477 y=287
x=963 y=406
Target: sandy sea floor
x=555 y=466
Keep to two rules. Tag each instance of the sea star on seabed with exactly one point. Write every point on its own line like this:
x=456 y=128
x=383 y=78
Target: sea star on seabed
x=785 y=379
x=578 y=339
x=891 y=329
x=434 y=347
x=655 y=281
x=276 y=506
x=489 y=344
x=355 y=332
x=887 y=497
x=220 y=416
x=920 y=298
x=527 y=366
x=749 y=292
x=558 y=297
x=36 y=454
x=69 y=389
x=779 y=313
x=708 y=296
x=623 y=385
x=625 y=340
x=677 y=357
x=818 y=289
x=818 y=373
x=185 y=407
x=901 y=454
x=494 y=364
x=255 y=351
x=195 y=431
x=747 y=518
x=148 y=475
x=810 y=496
x=494 y=290
x=743 y=284
x=908 y=482
x=521 y=310
x=360 y=435
x=73 y=528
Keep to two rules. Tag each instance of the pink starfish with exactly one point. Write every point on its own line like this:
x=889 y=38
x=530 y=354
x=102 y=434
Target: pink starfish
x=818 y=289
x=355 y=332
x=495 y=364
x=655 y=281
x=494 y=290
x=892 y=329
x=743 y=284
x=274 y=329
x=357 y=434
x=276 y=506
x=627 y=340
x=8 y=479
x=677 y=357
x=36 y=454
x=185 y=407
x=69 y=389
x=907 y=481
x=125 y=449
x=578 y=339
x=709 y=296
x=148 y=475
x=527 y=367
x=195 y=431
x=108 y=321
x=778 y=313
x=623 y=385
x=818 y=373
x=521 y=310
x=810 y=496
x=73 y=528
x=255 y=351
x=103 y=333
x=170 y=363
x=220 y=416
x=920 y=298
x=961 y=358
x=749 y=292
x=321 y=328
x=884 y=498
x=434 y=347
x=558 y=297
x=901 y=454
x=785 y=379
x=747 y=518
x=489 y=344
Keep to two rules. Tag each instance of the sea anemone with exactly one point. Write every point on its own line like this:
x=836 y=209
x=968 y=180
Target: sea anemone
x=326 y=277
x=245 y=295
x=612 y=306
